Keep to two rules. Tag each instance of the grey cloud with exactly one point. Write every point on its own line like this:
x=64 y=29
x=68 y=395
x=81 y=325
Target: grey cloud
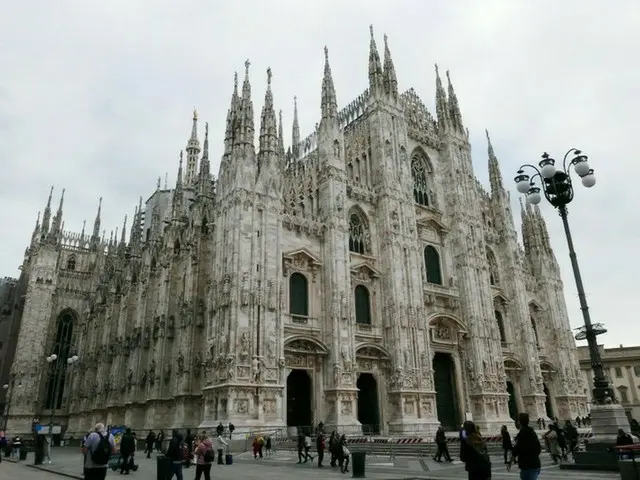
x=97 y=98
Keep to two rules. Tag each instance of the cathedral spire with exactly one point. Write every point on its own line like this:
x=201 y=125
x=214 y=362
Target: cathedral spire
x=454 y=109
x=295 y=131
x=245 y=130
x=84 y=226
x=56 y=227
x=375 y=66
x=441 y=103
x=389 y=77
x=178 y=192
x=329 y=105
x=268 y=123
x=280 y=134
x=46 y=218
x=205 y=164
x=229 y=138
x=495 y=177
x=123 y=234
x=97 y=221
x=36 y=230
x=193 y=151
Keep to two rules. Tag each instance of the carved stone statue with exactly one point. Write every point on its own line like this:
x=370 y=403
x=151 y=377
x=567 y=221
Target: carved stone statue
x=256 y=370
x=180 y=362
x=244 y=345
x=152 y=372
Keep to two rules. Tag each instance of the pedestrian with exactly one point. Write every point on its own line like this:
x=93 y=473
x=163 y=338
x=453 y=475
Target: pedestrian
x=526 y=449
x=320 y=446
x=149 y=442
x=307 y=448
x=98 y=449
x=441 y=446
x=345 y=454
x=268 y=445
x=176 y=453
x=205 y=456
x=507 y=446
x=127 y=449
x=220 y=445
x=474 y=454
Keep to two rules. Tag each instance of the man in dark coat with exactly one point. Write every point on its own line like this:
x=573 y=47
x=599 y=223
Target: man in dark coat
x=127 y=449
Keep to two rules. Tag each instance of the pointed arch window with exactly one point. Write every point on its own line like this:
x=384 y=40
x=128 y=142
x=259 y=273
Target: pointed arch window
x=432 y=265
x=500 y=320
x=494 y=277
x=62 y=349
x=71 y=262
x=419 y=173
x=363 y=305
x=204 y=228
x=298 y=295
x=359 y=239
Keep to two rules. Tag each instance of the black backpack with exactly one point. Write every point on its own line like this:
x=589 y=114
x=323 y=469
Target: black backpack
x=102 y=453
x=209 y=457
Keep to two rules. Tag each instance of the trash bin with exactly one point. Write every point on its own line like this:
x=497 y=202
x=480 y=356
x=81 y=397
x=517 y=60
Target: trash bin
x=358 y=460
x=23 y=453
x=163 y=468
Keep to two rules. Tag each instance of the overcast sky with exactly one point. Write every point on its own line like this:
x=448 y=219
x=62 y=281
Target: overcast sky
x=96 y=97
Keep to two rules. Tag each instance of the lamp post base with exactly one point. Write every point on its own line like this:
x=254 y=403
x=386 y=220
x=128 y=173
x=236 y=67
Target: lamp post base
x=598 y=455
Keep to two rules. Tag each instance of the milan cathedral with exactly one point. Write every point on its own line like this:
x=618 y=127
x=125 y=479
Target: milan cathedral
x=362 y=277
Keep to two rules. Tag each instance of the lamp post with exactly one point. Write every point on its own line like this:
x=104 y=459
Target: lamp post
x=58 y=367
x=557 y=188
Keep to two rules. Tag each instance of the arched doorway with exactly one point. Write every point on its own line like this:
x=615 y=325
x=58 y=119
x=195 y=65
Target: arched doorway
x=368 y=407
x=547 y=402
x=299 y=399
x=513 y=406
x=446 y=395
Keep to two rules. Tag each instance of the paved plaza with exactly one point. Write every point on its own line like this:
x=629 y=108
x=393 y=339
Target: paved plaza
x=282 y=465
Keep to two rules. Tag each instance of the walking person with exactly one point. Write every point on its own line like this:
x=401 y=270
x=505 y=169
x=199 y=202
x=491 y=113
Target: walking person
x=307 y=448
x=507 y=446
x=220 y=445
x=553 y=445
x=320 y=446
x=268 y=446
x=127 y=449
x=149 y=442
x=441 y=444
x=205 y=456
x=175 y=452
x=99 y=447
x=474 y=454
x=526 y=449
x=345 y=454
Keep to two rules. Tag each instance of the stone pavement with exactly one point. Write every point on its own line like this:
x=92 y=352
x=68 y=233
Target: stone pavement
x=282 y=465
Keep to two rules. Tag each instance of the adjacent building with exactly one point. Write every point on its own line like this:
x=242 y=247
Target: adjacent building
x=362 y=277
x=11 y=302
x=623 y=367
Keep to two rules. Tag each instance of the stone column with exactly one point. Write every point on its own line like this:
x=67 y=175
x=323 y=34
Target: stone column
x=632 y=384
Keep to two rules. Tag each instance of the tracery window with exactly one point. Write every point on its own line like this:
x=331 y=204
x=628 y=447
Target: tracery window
x=363 y=305
x=432 y=265
x=298 y=295
x=62 y=349
x=500 y=320
x=419 y=173
x=71 y=262
x=359 y=240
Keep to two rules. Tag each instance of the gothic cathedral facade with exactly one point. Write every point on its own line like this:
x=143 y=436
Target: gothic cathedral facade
x=363 y=278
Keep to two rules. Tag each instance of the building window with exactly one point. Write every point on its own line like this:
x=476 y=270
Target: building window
x=618 y=372
x=363 y=305
x=358 y=234
x=636 y=370
x=432 y=265
x=419 y=171
x=500 y=320
x=62 y=348
x=298 y=295
x=71 y=262
x=624 y=395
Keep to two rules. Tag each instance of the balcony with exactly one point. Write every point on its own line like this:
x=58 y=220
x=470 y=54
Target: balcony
x=300 y=322
x=368 y=331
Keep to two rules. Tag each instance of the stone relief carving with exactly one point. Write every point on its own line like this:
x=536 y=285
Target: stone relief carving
x=180 y=364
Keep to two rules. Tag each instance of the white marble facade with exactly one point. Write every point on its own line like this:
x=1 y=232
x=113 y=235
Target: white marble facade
x=363 y=260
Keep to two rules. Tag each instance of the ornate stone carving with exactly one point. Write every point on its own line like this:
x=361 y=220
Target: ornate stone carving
x=180 y=364
x=442 y=331
x=364 y=273
x=300 y=261
x=152 y=372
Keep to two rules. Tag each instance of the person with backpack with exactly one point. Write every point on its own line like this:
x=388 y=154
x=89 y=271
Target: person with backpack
x=205 y=456
x=98 y=449
x=127 y=449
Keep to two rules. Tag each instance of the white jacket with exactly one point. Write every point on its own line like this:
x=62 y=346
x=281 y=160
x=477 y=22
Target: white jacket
x=220 y=443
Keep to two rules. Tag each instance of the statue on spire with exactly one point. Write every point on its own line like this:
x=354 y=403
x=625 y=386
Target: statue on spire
x=269 y=75
x=247 y=63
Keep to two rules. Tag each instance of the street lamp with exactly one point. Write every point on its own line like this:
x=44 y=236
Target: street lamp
x=557 y=188
x=58 y=368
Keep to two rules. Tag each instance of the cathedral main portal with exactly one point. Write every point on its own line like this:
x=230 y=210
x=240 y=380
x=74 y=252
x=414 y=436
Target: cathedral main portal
x=368 y=404
x=446 y=395
x=299 y=399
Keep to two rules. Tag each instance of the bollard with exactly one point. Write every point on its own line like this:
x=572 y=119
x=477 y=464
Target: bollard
x=358 y=460
x=163 y=468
